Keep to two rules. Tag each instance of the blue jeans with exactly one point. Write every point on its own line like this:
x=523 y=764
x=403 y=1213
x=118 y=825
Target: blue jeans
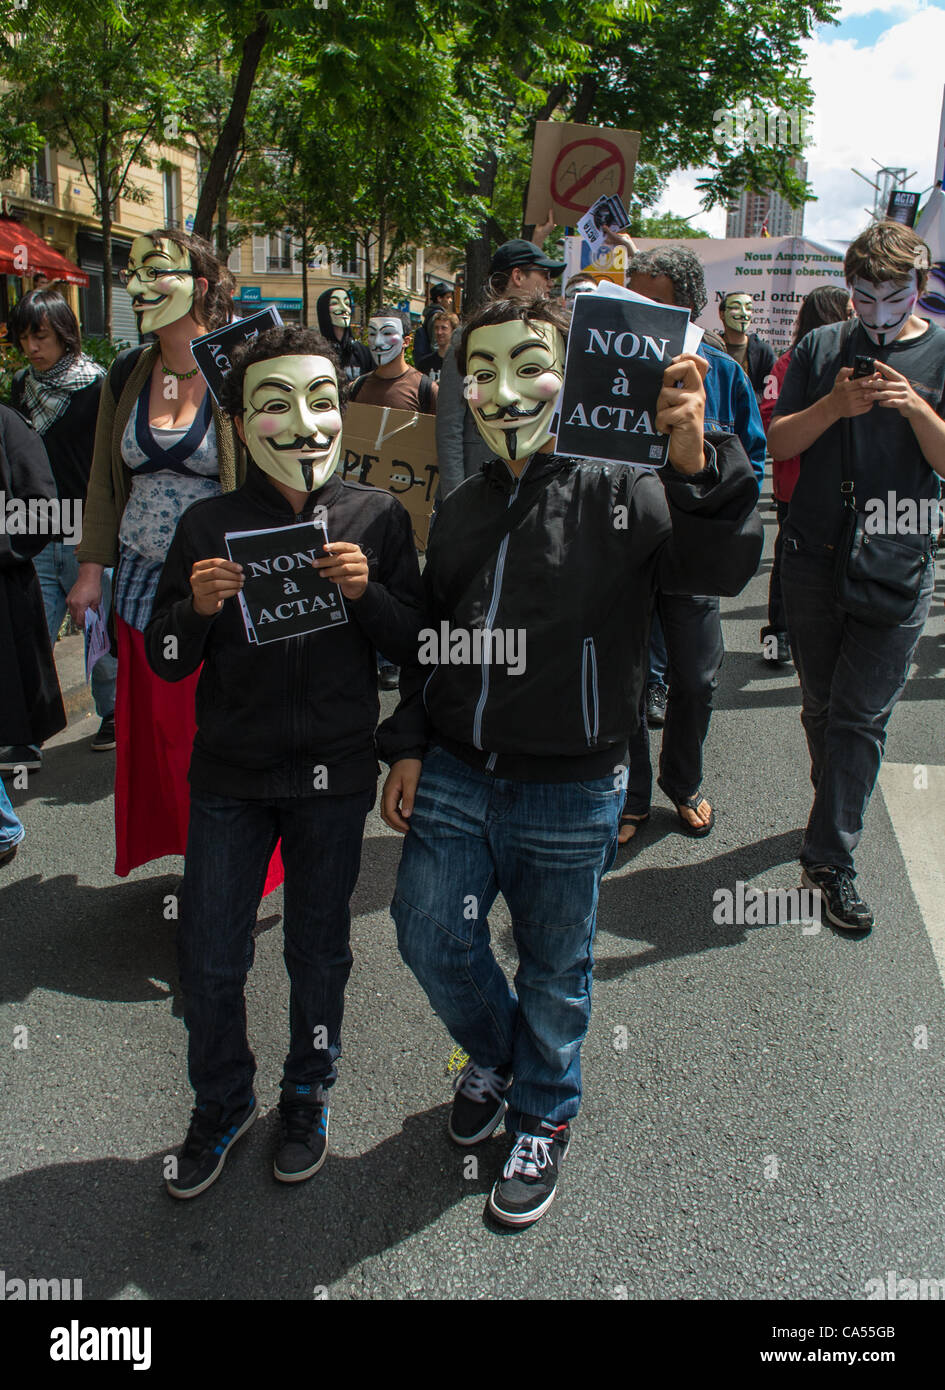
x=58 y=569
x=545 y=847
x=11 y=828
x=851 y=677
x=229 y=845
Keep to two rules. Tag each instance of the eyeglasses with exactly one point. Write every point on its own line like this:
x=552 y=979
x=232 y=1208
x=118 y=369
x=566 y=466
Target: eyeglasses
x=149 y=273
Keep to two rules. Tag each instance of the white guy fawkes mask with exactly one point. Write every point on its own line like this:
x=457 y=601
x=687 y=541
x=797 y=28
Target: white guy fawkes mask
x=157 y=303
x=385 y=338
x=737 y=312
x=292 y=419
x=339 y=308
x=517 y=368
x=884 y=308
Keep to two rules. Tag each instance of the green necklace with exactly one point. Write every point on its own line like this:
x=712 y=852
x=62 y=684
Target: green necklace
x=178 y=376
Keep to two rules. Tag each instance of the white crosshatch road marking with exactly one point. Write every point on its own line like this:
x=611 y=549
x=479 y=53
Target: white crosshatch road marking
x=918 y=816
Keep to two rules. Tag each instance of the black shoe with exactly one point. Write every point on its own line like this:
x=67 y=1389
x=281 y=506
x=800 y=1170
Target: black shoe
x=478 y=1102
x=209 y=1140
x=105 y=738
x=303 y=1148
x=842 y=904
x=21 y=755
x=784 y=648
x=388 y=677
x=8 y=854
x=529 y=1179
x=656 y=705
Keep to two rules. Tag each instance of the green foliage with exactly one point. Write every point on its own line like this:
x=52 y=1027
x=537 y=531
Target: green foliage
x=103 y=350
x=666 y=225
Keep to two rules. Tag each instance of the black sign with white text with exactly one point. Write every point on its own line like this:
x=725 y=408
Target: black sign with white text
x=618 y=350
x=902 y=206
x=283 y=593
x=212 y=351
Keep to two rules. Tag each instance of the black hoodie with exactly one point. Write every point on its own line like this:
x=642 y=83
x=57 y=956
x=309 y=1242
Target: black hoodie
x=355 y=357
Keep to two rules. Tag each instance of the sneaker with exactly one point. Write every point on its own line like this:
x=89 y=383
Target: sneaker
x=303 y=1148
x=527 y=1186
x=388 y=677
x=784 y=648
x=478 y=1102
x=19 y=755
x=775 y=647
x=209 y=1140
x=105 y=738
x=842 y=904
x=656 y=705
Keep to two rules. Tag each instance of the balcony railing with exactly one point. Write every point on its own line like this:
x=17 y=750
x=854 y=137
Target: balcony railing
x=41 y=189
x=279 y=262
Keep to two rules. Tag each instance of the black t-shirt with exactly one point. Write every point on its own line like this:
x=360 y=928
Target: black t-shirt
x=885 y=454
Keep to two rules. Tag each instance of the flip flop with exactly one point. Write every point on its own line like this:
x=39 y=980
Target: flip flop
x=692 y=803
x=637 y=821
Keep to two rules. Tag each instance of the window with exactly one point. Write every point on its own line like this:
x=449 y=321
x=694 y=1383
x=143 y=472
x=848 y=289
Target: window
x=345 y=262
x=42 y=187
x=171 y=197
x=416 y=271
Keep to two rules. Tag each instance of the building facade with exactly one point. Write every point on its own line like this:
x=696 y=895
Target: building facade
x=757 y=213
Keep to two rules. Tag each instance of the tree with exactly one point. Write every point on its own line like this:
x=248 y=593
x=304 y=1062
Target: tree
x=666 y=225
x=114 y=93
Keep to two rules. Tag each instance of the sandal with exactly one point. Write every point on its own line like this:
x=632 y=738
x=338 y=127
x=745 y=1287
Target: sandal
x=638 y=822
x=692 y=803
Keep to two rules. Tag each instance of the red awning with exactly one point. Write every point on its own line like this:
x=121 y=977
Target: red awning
x=22 y=252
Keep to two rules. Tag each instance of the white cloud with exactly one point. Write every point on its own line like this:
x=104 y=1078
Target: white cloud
x=881 y=101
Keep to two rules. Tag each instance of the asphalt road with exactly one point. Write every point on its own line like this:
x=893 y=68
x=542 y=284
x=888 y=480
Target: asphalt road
x=772 y=1127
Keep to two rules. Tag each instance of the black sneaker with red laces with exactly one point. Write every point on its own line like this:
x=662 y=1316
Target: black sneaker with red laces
x=529 y=1179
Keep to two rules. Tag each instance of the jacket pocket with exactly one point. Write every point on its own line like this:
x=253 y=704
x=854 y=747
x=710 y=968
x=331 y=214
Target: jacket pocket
x=589 y=696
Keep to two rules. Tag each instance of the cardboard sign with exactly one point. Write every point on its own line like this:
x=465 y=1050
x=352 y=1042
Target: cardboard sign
x=212 y=351
x=394 y=450
x=283 y=594
x=606 y=212
x=903 y=206
x=575 y=165
x=618 y=349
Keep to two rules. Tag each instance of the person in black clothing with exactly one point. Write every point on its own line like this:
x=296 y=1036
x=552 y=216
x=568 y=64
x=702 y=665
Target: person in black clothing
x=508 y=751
x=333 y=311
x=285 y=737
x=58 y=393
x=441 y=302
x=753 y=354
x=888 y=427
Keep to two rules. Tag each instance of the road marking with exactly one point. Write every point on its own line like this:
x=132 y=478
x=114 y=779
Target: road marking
x=918 y=816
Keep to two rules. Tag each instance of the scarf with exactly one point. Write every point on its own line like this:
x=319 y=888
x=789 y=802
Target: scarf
x=46 y=394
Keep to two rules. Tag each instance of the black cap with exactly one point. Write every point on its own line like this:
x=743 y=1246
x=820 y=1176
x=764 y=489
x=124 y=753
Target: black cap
x=520 y=252
x=437 y=291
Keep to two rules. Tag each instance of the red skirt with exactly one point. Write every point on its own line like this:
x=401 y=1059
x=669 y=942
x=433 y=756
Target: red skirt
x=154 y=738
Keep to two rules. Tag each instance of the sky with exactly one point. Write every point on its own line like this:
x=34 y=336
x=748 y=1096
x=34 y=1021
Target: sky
x=878 y=81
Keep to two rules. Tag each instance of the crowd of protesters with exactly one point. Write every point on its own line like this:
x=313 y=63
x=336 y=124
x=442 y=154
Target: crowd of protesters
x=256 y=760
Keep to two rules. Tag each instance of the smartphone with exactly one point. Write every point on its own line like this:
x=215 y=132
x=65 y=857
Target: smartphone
x=863 y=366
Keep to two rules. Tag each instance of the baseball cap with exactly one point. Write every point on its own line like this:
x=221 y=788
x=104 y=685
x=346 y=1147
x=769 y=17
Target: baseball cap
x=519 y=252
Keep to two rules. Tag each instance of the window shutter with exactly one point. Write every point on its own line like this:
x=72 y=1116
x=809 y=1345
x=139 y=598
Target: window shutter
x=234 y=260
x=260 y=252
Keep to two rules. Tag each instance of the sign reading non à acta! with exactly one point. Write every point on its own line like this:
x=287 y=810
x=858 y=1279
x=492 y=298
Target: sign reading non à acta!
x=283 y=594
x=618 y=350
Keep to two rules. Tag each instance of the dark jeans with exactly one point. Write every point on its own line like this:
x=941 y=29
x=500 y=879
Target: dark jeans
x=658 y=658
x=777 y=622
x=851 y=677
x=229 y=846
x=692 y=628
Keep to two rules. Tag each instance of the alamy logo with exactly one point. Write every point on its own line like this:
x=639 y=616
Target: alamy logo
x=38 y=1290
x=481 y=646
x=76 y=1343
x=41 y=516
x=760 y=907
x=905 y=1290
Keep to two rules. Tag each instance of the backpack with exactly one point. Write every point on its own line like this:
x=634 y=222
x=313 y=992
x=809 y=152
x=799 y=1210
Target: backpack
x=424 y=392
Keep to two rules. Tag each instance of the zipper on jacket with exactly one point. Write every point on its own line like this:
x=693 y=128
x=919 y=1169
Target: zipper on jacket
x=589 y=701
x=490 y=619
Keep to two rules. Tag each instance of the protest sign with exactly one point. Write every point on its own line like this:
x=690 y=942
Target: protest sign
x=575 y=165
x=903 y=206
x=606 y=212
x=97 y=641
x=283 y=594
x=212 y=351
x=618 y=349
x=394 y=450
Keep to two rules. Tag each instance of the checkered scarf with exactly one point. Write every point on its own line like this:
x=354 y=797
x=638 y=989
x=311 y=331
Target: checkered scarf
x=46 y=394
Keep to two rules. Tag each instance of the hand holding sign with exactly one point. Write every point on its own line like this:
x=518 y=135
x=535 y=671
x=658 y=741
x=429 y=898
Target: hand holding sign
x=347 y=566
x=212 y=581
x=680 y=412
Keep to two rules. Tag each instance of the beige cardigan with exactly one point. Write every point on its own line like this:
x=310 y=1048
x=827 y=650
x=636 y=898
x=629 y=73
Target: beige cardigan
x=110 y=478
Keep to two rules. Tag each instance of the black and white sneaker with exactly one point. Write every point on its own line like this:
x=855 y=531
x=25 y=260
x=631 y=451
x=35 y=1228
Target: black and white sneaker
x=104 y=740
x=303 y=1147
x=842 y=904
x=529 y=1179
x=656 y=695
x=478 y=1103
x=209 y=1140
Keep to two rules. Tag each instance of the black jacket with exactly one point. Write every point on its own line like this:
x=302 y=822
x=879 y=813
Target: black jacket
x=355 y=357
x=269 y=715
x=577 y=575
x=70 y=440
x=760 y=360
